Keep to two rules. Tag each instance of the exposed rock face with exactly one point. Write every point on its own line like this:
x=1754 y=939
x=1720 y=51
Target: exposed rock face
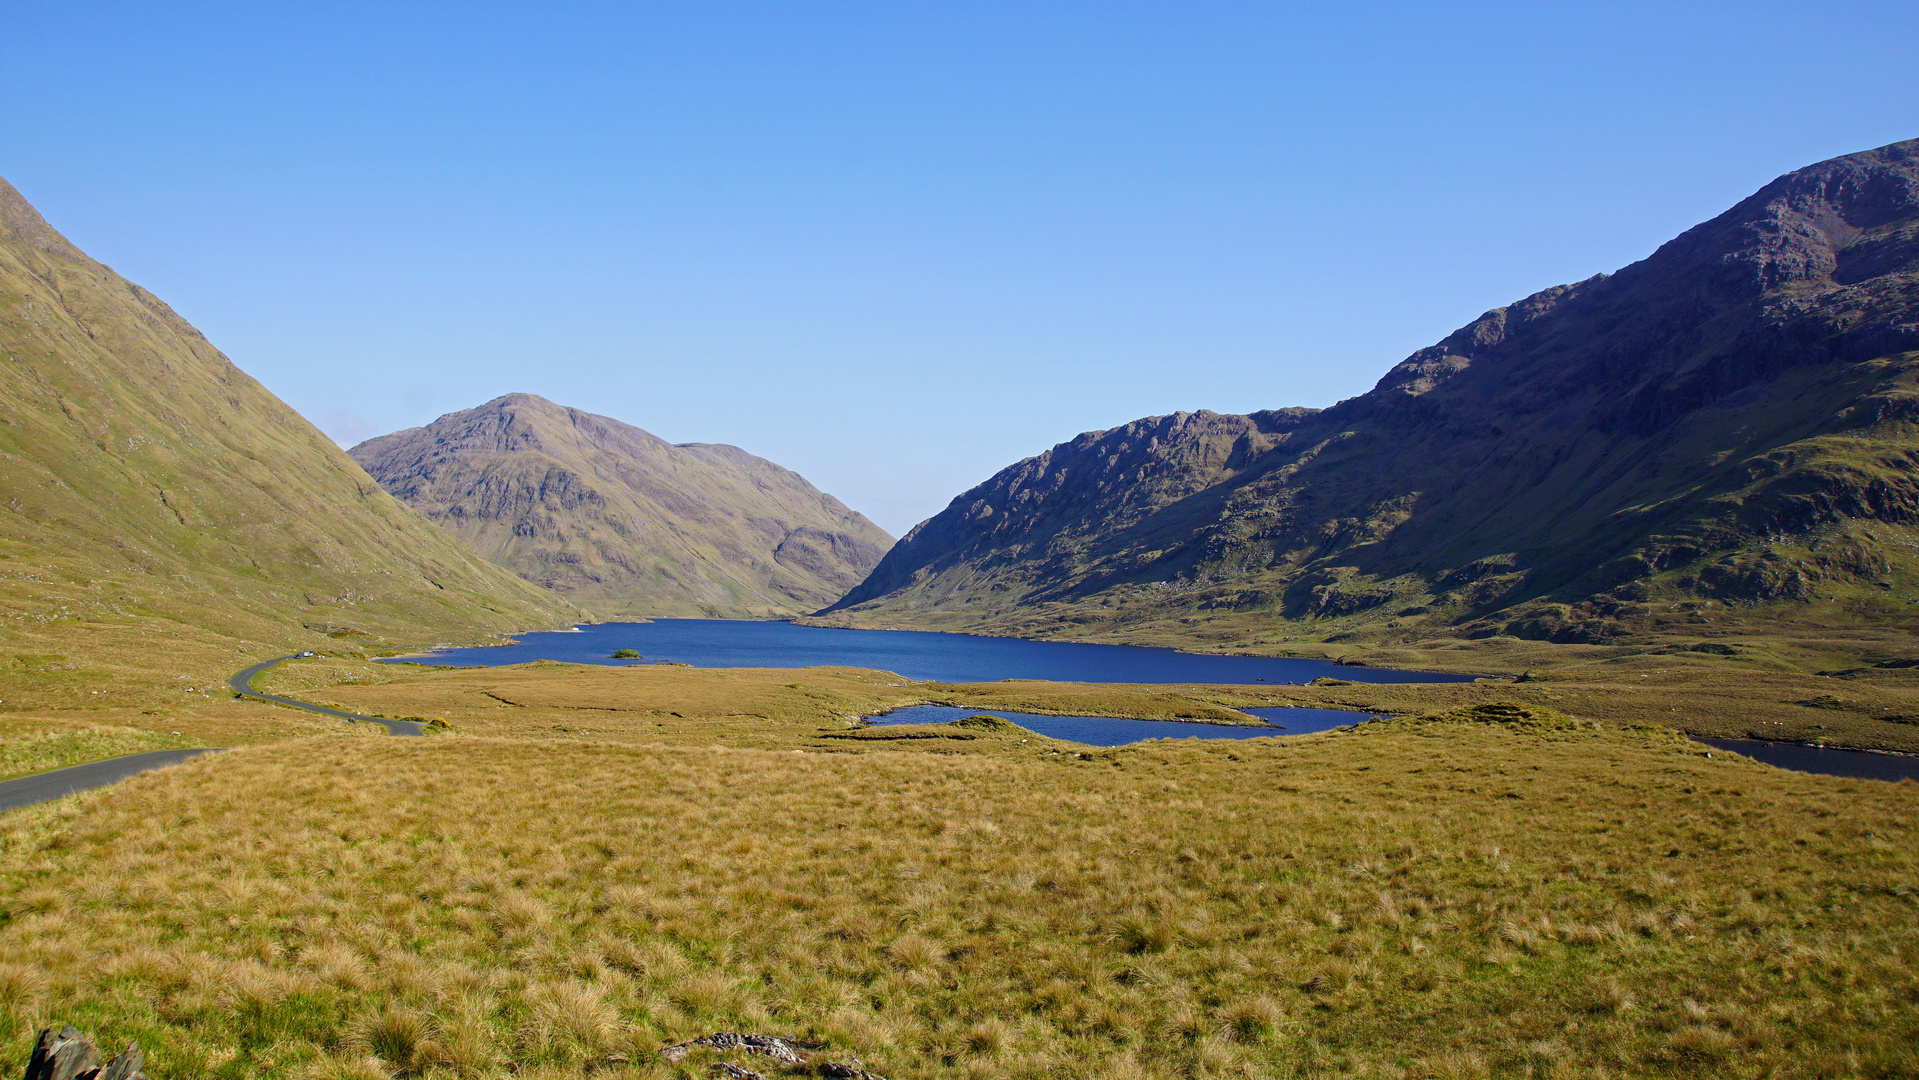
x=151 y=477
x=67 y=1055
x=1732 y=418
x=622 y=522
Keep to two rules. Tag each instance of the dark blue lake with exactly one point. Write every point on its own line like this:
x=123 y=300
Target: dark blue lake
x=913 y=654
x=1108 y=731
x=1858 y=764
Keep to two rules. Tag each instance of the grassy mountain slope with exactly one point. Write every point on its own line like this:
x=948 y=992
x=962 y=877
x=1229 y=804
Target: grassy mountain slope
x=156 y=502
x=622 y=522
x=1733 y=421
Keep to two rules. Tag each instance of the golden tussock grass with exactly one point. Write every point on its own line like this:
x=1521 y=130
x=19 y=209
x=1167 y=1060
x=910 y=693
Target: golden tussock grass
x=1489 y=893
x=544 y=699
x=36 y=744
x=1705 y=694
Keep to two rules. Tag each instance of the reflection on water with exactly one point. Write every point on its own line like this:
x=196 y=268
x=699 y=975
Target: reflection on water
x=1108 y=731
x=1859 y=764
x=914 y=654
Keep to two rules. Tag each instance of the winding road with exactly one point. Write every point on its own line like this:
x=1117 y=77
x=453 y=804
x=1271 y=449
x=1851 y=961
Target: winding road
x=59 y=783
x=242 y=684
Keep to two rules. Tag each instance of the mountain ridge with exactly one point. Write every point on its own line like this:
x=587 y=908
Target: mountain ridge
x=1640 y=431
x=622 y=521
x=154 y=489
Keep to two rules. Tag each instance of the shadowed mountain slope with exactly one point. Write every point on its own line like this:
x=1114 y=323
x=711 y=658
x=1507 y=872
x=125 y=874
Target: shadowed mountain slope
x=622 y=522
x=1731 y=421
x=149 y=490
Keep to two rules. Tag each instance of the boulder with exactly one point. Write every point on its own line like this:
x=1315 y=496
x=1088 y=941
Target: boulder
x=68 y=1055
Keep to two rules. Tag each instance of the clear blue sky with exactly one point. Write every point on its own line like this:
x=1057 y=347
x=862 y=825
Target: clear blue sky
x=897 y=247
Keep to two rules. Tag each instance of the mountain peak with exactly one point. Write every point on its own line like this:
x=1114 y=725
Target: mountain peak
x=22 y=225
x=1796 y=228
x=138 y=458
x=1721 y=421
x=621 y=521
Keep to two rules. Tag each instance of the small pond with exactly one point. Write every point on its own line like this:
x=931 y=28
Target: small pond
x=1108 y=731
x=1858 y=764
x=913 y=654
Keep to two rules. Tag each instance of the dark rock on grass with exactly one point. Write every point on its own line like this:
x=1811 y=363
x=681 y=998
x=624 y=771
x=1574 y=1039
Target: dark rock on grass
x=784 y=1051
x=792 y=1053
x=68 y=1055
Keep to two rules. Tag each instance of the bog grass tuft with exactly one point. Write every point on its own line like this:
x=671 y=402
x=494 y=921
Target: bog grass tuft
x=1496 y=890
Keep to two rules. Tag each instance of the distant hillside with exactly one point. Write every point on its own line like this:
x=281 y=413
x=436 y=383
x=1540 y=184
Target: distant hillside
x=624 y=523
x=153 y=491
x=1733 y=422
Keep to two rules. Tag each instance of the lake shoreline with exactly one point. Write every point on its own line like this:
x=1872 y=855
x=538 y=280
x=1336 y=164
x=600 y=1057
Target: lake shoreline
x=416 y=652
x=868 y=719
x=913 y=655
x=1113 y=731
x=1804 y=757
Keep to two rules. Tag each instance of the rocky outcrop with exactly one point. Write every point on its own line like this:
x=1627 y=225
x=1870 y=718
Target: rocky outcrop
x=794 y=1056
x=67 y=1055
x=622 y=522
x=1727 y=420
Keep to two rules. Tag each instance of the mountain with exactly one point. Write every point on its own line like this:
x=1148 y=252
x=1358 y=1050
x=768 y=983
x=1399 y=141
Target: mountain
x=150 y=489
x=622 y=522
x=1730 y=422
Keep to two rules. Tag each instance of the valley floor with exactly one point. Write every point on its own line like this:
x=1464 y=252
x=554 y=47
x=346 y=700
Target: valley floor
x=597 y=862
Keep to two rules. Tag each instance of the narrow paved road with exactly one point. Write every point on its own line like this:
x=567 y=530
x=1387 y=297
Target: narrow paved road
x=242 y=683
x=48 y=786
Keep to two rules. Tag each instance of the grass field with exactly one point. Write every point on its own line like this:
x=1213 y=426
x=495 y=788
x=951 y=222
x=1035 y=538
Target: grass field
x=32 y=746
x=597 y=862
x=1707 y=694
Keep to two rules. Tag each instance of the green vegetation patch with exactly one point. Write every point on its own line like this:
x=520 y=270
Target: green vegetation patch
x=31 y=745
x=904 y=733
x=1153 y=702
x=964 y=730
x=998 y=725
x=1513 y=714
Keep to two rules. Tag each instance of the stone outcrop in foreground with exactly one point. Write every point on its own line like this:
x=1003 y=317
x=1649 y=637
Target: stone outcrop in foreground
x=68 y=1055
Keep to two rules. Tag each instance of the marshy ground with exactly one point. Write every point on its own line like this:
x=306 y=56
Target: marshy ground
x=598 y=862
